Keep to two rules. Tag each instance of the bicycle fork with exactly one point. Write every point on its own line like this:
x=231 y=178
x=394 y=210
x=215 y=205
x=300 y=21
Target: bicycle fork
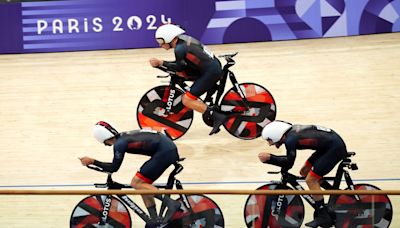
x=169 y=100
x=277 y=210
x=277 y=205
x=106 y=209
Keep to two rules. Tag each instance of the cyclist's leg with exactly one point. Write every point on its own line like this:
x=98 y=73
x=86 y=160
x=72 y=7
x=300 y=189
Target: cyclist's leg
x=204 y=83
x=152 y=169
x=143 y=183
x=324 y=163
x=199 y=87
x=318 y=170
x=191 y=101
x=167 y=154
x=309 y=164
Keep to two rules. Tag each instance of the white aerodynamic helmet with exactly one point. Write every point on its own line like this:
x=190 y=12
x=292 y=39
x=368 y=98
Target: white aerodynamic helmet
x=166 y=33
x=275 y=130
x=103 y=131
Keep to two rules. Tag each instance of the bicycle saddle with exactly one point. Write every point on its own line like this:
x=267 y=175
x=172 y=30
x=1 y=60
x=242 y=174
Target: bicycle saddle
x=178 y=167
x=349 y=154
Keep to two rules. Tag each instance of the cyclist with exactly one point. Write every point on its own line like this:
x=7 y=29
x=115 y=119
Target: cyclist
x=193 y=62
x=329 y=151
x=160 y=148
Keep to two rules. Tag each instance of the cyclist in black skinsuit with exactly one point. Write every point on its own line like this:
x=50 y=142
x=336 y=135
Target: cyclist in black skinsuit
x=159 y=147
x=329 y=151
x=193 y=62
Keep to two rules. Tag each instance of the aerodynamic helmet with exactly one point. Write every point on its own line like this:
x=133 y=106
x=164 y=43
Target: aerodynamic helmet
x=275 y=130
x=103 y=131
x=166 y=33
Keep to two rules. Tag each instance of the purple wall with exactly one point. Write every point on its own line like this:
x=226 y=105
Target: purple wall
x=103 y=24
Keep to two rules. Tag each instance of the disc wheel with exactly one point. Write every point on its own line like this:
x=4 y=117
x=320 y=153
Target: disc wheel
x=89 y=212
x=368 y=211
x=206 y=213
x=273 y=211
x=152 y=112
x=248 y=124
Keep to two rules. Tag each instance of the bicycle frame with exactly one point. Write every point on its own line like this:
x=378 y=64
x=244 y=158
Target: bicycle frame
x=217 y=88
x=345 y=210
x=222 y=82
x=124 y=198
x=172 y=181
x=292 y=180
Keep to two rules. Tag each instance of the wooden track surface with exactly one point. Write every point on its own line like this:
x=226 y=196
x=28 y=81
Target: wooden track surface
x=50 y=101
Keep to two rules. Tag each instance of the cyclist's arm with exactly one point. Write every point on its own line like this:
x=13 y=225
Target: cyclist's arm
x=180 y=63
x=290 y=145
x=119 y=153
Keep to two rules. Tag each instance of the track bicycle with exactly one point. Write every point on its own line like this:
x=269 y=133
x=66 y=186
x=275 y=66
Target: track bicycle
x=249 y=106
x=112 y=210
x=347 y=210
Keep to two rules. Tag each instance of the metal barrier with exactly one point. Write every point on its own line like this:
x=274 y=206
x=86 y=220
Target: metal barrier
x=203 y=191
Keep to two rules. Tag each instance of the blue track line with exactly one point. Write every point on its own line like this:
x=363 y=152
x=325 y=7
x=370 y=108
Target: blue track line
x=184 y=183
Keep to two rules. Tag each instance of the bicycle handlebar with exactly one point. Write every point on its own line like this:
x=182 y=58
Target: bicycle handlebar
x=115 y=185
x=226 y=56
x=171 y=73
x=273 y=172
x=110 y=183
x=166 y=70
x=98 y=169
